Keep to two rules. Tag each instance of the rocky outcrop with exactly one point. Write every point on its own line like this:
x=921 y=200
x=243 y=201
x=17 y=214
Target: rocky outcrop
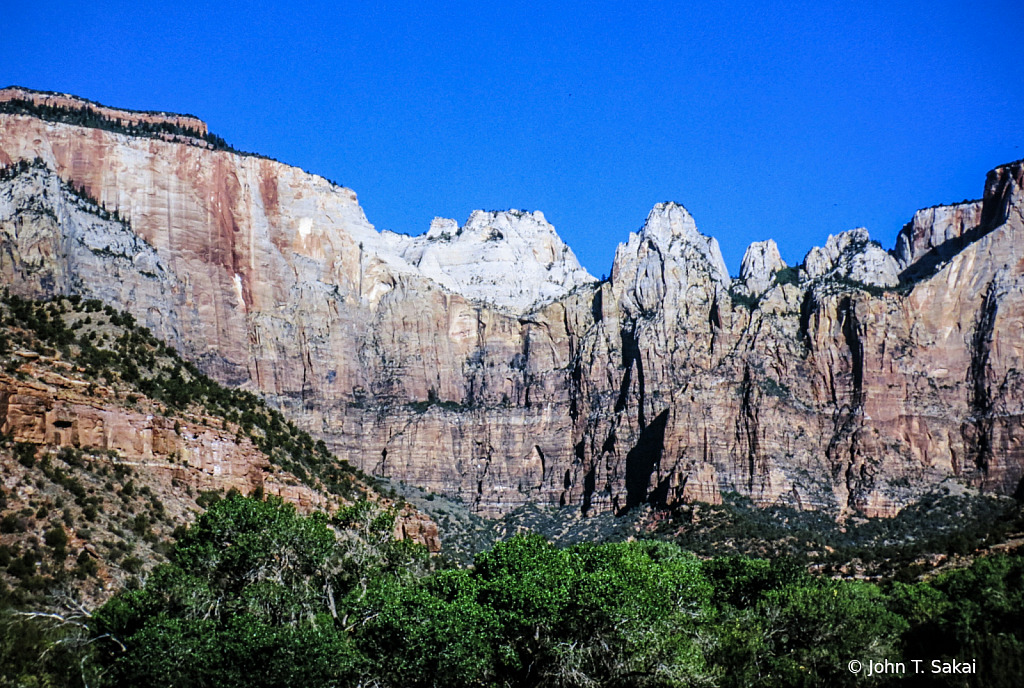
x=127 y=117
x=668 y=259
x=936 y=229
x=853 y=256
x=49 y=404
x=111 y=467
x=761 y=262
x=426 y=359
x=510 y=260
x=52 y=239
x=61 y=410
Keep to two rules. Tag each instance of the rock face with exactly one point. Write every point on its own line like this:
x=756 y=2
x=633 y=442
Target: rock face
x=852 y=256
x=934 y=228
x=53 y=239
x=57 y=411
x=494 y=369
x=760 y=263
x=55 y=408
x=131 y=117
x=668 y=259
x=511 y=260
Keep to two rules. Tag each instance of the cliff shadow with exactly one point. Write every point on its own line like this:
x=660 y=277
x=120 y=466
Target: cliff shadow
x=929 y=264
x=642 y=459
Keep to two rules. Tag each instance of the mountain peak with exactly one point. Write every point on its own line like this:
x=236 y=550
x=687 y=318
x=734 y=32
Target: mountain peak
x=511 y=259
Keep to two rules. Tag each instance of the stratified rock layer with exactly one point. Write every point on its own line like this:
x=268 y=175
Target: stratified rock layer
x=848 y=391
x=49 y=404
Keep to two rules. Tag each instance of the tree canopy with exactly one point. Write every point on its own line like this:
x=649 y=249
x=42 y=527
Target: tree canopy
x=255 y=594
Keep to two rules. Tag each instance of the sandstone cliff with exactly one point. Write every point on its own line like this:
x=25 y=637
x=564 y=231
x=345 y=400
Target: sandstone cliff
x=852 y=383
x=16 y=94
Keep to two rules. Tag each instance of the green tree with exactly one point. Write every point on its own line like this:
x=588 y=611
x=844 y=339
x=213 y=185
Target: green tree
x=973 y=613
x=805 y=634
x=435 y=634
x=247 y=600
x=617 y=615
x=44 y=649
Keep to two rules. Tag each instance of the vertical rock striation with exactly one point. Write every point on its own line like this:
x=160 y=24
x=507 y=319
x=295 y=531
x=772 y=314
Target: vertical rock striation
x=485 y=363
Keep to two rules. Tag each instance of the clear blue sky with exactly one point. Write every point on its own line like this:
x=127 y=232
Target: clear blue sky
x=785 y=120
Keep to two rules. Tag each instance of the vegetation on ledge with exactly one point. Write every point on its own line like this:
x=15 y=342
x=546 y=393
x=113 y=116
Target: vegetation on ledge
x=114 y=350
x=88 y=117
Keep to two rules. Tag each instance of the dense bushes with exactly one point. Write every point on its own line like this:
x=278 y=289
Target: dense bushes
x=975 y=613
x=257 y=595
x=901 y=546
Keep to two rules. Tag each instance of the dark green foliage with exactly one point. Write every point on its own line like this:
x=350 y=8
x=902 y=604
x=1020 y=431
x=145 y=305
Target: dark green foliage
x=775 y=388
x=43 y=651
x=740 y=582
x=132 y=564
x=791 y=629
x=969 y=613
x=805 y=635
x=747 y=301
x=433 y=400
x=790 y=275
x=256 y=595
x=12 y=524
x=939 y=523
x=251 y=598
x=252 y=583
x=25 y=453
x=23 y=566
x=72 y=457
x=435 y=634
x=72 y=485
x=56 y=538
x=208 y=498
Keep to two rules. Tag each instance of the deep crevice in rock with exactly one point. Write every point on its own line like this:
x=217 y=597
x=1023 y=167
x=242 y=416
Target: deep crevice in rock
x=643 y=459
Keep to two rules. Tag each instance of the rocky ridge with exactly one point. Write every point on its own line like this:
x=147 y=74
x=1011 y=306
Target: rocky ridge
x=128 y=117
x=853 y=256
x=507 y=259
x=94 y=446
x=934 y=228
x=850 y=384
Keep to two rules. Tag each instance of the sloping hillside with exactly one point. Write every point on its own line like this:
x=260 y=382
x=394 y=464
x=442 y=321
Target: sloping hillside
x=111 y=441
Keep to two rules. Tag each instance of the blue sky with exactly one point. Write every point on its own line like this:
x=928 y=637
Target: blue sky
x=785 y=120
